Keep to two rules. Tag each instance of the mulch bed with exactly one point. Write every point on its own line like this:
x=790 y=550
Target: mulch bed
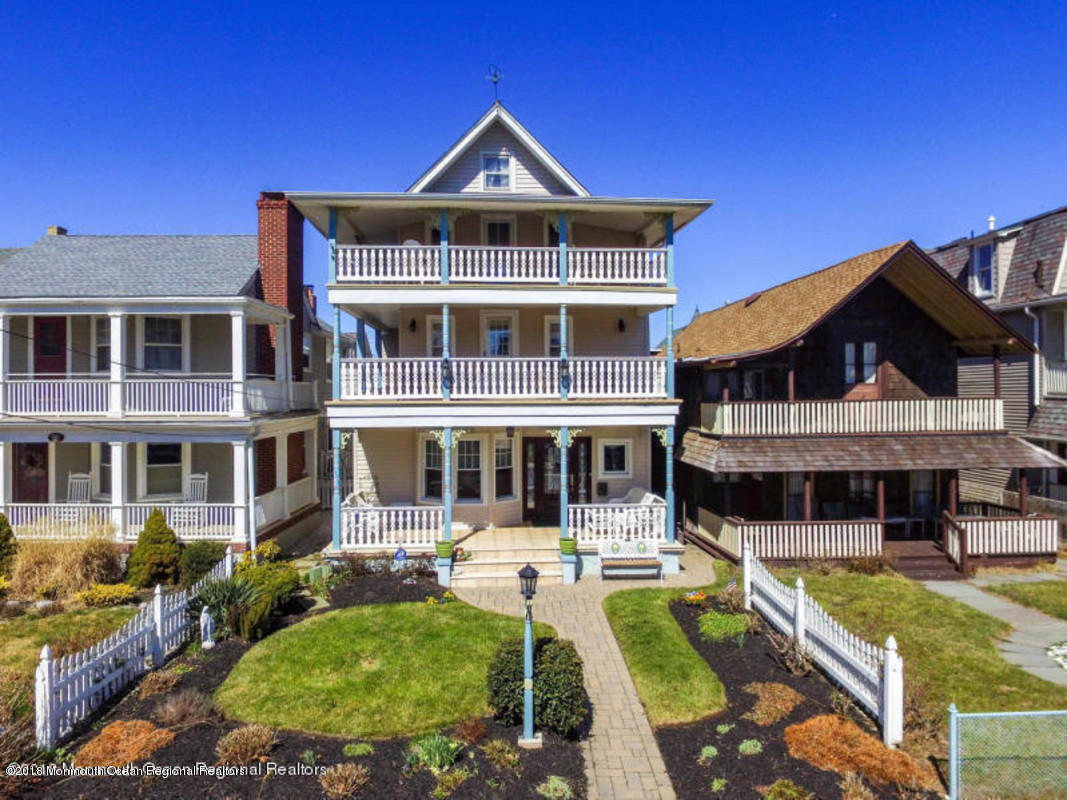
x=737 y=667
x=389 y=776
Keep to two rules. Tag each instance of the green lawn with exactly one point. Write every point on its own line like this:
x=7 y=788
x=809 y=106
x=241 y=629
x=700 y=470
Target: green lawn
x=21 y=638
x=674 y=682
x=946 y=645
x=371 y=671
x=1047 y=596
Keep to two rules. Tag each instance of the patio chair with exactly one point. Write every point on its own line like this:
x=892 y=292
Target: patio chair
x=196 y=488
x=78 y=484
x=187 y=517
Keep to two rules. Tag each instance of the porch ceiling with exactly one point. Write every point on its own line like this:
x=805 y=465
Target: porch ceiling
x=843 y=453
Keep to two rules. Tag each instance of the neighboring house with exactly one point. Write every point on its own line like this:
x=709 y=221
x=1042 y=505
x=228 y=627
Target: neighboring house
x=1019 y=271
x=825 y=420
x=142 y=371
x=511 y=314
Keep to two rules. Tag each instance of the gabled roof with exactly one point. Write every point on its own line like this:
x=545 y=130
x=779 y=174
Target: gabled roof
x=777 y=317
x=133 y=266
x=497 y=113
x=7 y=252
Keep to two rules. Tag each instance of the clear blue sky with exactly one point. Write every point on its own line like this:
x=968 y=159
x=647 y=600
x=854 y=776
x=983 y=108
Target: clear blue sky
x=821 y=131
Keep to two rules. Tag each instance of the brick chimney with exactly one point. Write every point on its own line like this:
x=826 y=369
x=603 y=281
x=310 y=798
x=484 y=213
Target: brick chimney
x=281 y=261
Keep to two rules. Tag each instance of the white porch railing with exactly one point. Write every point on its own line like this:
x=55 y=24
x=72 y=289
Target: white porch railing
x=77 y=521
x=819 y=417
x=874 y=676
x=618 y=377
x=790 y=541
x=75 y=394
x=993 y=536
x=399 y=378
x=486 y=378
x=594 y=522
x=300 y=493
x=191 y=394
x=472 y=264
x=1055 y=378
x=387 y=528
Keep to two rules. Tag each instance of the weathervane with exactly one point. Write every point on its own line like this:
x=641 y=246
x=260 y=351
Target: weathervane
x=495 y=75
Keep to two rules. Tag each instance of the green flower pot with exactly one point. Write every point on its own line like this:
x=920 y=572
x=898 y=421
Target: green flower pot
x=444 y=549
x=568 y=546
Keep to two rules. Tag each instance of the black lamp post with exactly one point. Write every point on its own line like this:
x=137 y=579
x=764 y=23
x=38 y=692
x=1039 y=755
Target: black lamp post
x=528 y=587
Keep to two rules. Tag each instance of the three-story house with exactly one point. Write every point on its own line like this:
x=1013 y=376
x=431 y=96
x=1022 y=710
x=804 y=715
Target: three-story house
x=512 y=401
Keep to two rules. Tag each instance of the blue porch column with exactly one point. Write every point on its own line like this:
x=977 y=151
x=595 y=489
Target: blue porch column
x=564 y=474
x=563 y=266
x=669 y=356
x=668 y=445
x=335 y=435
x=446 y=482
x=564 y=372
x=446 y=353
x=444 y=247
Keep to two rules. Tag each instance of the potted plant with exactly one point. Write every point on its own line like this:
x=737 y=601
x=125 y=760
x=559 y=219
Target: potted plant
x=568 y=546
x=444 y=549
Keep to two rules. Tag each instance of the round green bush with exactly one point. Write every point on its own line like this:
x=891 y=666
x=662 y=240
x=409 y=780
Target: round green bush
x=155 y=557
x=559 y=693
x=198 y=559
x=275 y=584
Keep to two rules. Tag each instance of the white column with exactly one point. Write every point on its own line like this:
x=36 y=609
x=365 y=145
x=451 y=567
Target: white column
x=289 y=356
x=117 y=348
x=250 y=465
x=5 y=475
x=5 y=360
x=281 y=469
x=118 y=487
x=51 y=473
x=279 y=352
x=240 y=493
x=237 y=341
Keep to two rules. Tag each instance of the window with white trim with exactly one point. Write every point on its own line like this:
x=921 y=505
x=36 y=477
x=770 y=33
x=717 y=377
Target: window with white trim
x=865 y=370
x=435 y=335
x=552 y=336
x=162 y=347
x=163 y=469
x=504 y=468
x=982 y=268
x=469 y=470
x=102 y=343
x=496 y=172
x=616 y=458
x=498 y=337
x=432 y=468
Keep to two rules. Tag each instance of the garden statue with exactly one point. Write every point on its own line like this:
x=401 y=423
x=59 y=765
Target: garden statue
x=207 y=629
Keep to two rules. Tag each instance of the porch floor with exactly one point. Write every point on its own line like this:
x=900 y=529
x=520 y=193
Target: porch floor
x=497 y=554
x=922 y=560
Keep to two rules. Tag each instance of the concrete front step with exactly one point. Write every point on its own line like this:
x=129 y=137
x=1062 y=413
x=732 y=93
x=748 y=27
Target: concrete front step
x=503 y=579
x=502 y=566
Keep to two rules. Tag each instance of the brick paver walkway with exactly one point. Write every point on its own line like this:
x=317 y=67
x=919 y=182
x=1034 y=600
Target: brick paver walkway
x=622 y=759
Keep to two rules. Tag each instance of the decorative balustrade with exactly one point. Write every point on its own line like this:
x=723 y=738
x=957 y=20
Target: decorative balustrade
x=1055 y=378
x=493 y=378
x=795 y=541
x=189 y=395
x=387 y=528
x=594 y=522
x=475 y=264
x=838 y=417
x=123 y=522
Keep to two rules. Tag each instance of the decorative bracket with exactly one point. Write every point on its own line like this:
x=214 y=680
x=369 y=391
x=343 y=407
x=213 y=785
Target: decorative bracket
x=346 y=437
x=661 y=434
x=557 y=435
x=439 y=435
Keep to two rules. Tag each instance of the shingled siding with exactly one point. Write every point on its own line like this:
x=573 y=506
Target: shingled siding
x=976 y=379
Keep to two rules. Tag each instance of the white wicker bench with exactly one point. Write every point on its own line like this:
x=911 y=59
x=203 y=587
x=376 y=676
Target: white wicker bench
x=633 y=556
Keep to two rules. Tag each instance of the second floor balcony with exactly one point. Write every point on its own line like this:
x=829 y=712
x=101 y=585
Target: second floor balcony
x=846 y=417
x=605 y=378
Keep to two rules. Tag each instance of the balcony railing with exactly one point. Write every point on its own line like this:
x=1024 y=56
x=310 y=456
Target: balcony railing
x=1055 y=383
x=503 y=378
x=191 y=394
x=525 y=265
x=837 y=417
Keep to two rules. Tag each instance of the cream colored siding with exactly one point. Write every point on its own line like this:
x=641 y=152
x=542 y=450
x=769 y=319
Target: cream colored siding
x=69 y=458
x=466 y=174
x=209 y=346
x=17 y=344
x=589 y=236
x=216 y=459
x=390 y=457
x=640 y=466
x=80 y=344
x=1004 y=249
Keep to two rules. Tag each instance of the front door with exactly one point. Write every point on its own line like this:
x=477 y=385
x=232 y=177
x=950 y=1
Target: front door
x=31 y=473
x=49 y=345
x=541 y=476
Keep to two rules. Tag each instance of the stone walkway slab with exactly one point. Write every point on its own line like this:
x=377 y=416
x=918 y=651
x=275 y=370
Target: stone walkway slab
x=622 y=759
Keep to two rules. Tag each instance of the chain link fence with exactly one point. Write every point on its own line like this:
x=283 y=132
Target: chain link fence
x=1016 y=755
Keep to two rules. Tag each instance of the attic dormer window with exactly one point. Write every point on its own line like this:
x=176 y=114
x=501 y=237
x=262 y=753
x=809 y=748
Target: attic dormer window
x=982 y=268
x=496 y=172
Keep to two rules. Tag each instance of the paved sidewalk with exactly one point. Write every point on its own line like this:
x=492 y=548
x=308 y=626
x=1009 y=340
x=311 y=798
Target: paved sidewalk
x=1032 y=632
x=1059 y=573
x=622 y=759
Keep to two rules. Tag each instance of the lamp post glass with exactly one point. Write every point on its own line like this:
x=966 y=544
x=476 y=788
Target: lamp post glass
x=528 y=581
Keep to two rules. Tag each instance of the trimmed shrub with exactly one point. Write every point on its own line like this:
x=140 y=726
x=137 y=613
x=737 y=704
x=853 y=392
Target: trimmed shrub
x=559 y=694
x=154 y=559
x=197 y=560
x=55 y=570
x=275 y=585
x=100 y=595
x=8 y=546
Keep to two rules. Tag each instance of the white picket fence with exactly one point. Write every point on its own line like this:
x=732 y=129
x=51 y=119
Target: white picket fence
x=872 y=675
x=71 y=689
x=390 y=527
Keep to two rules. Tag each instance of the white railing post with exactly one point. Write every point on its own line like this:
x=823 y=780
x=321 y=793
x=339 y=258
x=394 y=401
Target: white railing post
x=239 y=370
x=118 y=488
x=117 y=372
x=892 y=695
x=44 y=701
x=799 y=623
x=746 y=571
x=157 y=627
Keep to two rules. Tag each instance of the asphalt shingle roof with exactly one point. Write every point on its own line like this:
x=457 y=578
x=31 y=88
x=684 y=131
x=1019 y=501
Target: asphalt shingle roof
x=132 y=266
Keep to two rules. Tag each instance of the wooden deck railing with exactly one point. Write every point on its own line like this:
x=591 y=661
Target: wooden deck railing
x=390 y=527
x=839 y=417
x=421 y=264
x=795 y=540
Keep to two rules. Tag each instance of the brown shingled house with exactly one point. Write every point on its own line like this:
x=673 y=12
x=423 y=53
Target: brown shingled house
x=824 y=420
x=1018 y=271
